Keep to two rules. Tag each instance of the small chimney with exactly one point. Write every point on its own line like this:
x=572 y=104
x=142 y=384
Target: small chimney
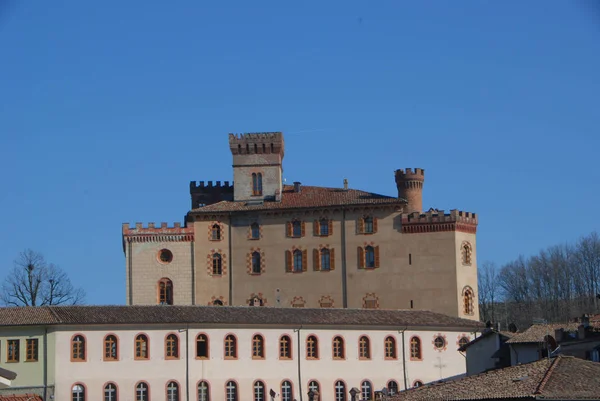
x=345 y=184
x=297 y=186
x=558 y=335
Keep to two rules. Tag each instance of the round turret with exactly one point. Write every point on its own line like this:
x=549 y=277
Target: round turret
x=410 y=187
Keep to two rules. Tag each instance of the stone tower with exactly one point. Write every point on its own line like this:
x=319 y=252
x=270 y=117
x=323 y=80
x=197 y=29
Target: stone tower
x=410 y=187
x=257 y=169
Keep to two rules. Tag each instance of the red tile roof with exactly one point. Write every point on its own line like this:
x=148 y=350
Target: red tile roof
x=537 y=332
x=308 y=197
x=561 y=378
x=20 y=397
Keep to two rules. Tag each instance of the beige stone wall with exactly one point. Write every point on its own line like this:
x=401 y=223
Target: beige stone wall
x=208 y=286
x=269 y=165
x=466 y=275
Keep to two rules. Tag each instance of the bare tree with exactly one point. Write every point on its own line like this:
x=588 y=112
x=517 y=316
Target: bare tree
x=487 y=284
x=34 y=282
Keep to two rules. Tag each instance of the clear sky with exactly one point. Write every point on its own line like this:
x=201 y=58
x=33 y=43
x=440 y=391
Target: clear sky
x=109 y=109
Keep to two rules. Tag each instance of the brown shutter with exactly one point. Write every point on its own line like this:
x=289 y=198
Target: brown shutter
x=330 y=226
x=288 y=261
x=374 y=225
x=377 y=256
x=361 y=258
x=316 y=227
x=360 y=226
x=303 y=229
x=316 y=266
x=332 y=259
x=304 y=260
x=288 y=229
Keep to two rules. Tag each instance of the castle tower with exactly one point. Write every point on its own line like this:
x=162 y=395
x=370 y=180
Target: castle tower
x=410 y=187
x=257 y=168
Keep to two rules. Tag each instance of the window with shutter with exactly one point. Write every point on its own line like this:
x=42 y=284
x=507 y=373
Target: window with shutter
x=330 y=223
x=303 y=233
x=288 y=261
x=288 y=229
x=377 y=256
x=369 y=256
x=304 y=260
x=360 y=226
x=374 y=225
x=316 y=228
x=361 y=257
x=316 y=266
x=332 y=259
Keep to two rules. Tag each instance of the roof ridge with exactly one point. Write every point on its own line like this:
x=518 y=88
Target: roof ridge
x=547 y=375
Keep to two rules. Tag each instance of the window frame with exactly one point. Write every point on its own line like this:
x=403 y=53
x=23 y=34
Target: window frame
x=369 y=386
x=136 y=340
x=343 y=394
x=291 y=390
x=169 y=389
x=254 y=231
x=200 y=382
x=325 y=259
x=82 y=351
x=389 y=387
x=312 y=351
x=416 y=348
x=296 y=229
x=369 y=251
x=256 y=261
x=338 y=348
x=171 y=346
x=297 y=256
x=31 y=349
x=258 y=346
x=364 y=348
x=165 y=291
x=235 y=387
x=83 y=392
x=230 y=337
x=215 y=232
x=324 y=224
x=105 y=355
x=207 y=342
x=13 y=354
x=311 y=388
x=116 y=391
x=262 y=387
x=146 y=387
x=257 y=187
x=282 y=354
x=217 y=264
x=391 y=350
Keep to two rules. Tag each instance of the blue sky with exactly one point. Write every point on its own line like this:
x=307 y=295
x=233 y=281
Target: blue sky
x=108 y=110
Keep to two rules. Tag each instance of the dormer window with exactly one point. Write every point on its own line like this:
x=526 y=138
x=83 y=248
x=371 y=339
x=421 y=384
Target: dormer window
x=256 y=184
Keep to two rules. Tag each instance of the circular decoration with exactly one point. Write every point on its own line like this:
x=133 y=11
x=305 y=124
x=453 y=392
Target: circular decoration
x=464 y=340
x=165 y=256
x=439 y=342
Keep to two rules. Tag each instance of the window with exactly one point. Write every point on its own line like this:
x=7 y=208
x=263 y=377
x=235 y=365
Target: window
x=390 y=347
x=172 y=391
x=312 y=348
x=111 y=350
x=366 y=390
x=218 y=302
x=315 y=388
x=286 y=391
x=12 y=348
x=231 y=391
x=415 y=348
x=256 y=268
x=110 y=392
x=370 y=301
x=259 y=391
x=392 y=387
x=203 y=391
x=202 y=346
x=165 y=256
x=368 y=257
x=417 y=383
x=325 y=259
x=78 y=348
x=254 y=231
x=338 y=348
x=255 y=300
x=165 y=291
x=217 y=267
x=364 y=348
x=141 y=347
x=367 y=225
x=340 y=391
x=295 y=229
x=78 y=393
x=256 y=184
x=464 y=340
x=298 y=260
x=172 y=347
x=468 y=308
x=31 y=351
x=230 y=347
x=326 y=302
x=466 y=251
x=295 y=261
x=258 y=347
x=215 y=232
x=298 y=302
x=323 y=227
x=142 y=392
x=439 y=342
x=285 y=348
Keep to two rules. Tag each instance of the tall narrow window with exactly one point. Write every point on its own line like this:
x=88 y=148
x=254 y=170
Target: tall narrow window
x=142 y=392
x=468 y=301
x=165 y=291
x=325 y=259
x=340 y=391
x=110 y=392
x=415 y=348
x=202 y=346
x=256 y=184
x=78 y=348
x=392 y=387
x=258 y=347
x=203 y=391
x=111 y=349
x=369 y=256
x=172 y=391
x=285 y=348
x=256 y=269
x=231 y=393
x=312 y=347
x=338 y=348
x=368 y=225
x=230 y=347
x=466 y=253
x=366 y=390
x=31 y=354
x=286 y=391
x=364 y=348
x=313 y=386
x=390 y=347
x=216 y=232
x=172 y=347
x=298 y=260
x=297 y=228
x=141 y=347
x=217 y=268
x=12 y=347
x=259 y=391
x=78 y=393
x=254 y=231
x=324 y=227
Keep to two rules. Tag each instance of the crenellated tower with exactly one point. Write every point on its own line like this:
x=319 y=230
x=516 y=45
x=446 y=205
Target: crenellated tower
x=410 y=187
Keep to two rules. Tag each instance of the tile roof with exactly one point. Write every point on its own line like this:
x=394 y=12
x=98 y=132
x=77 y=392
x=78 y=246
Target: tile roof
x=560 y=378
x=7 y=374
x=139 y=314
x=308 y=197
x=537 y=332
x=20 y=397
x=483 y=335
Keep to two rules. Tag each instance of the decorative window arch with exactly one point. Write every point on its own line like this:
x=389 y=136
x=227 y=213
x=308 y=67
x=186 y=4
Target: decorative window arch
x=215 y=232
x=366 y=390
x=165 y=291
x=172 y=391
x=203 y=391
x=217 y=264
x=142 y=391
x=416 y=352
x=78 y=348
x=468 y=301
x=257 y=300
x=326 y=301
x=172 y=346
x=142 y=347
x=255 y=261
x=312 y=347
x=324 y=258
x=287 y=390
x=364 y=348
x=231 y=391
x=338 y=348
x=339 y=389
x=389 y=345
x=285 y=347
x=258 y=347
x=417 y=383
x=371 y=301
x=439 y=342
x=466 y=253
x=463 y=340
x=78 y=392
x=259 y=391
x=111 y=392
x=366 y=225
x=230 y=345
x=298 y=302
x=111 y=348
x=202 y=346
x=392 y=387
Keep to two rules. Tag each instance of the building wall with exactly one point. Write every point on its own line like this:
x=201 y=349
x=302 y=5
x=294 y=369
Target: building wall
x=466 y=274
x=479 y=354
x=524 y=353
x=157 y=371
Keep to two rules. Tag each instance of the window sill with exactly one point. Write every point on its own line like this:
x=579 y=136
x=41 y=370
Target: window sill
x=202 y=358
x=253 y=239
x=110 y=360
x=215 y=240
x=312 y=359
x=416 y=359
x=362 y=358
x=285 y=359
x=216 y=275
x=387 y=358
x=19 y=361
x=31 y=360
x=172 y=358
x=255 y=274
x=338 y=359
x=258 y=358
x=230 y=358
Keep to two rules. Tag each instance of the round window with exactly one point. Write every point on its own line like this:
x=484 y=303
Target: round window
x=439 y=342
x=165 y=256
x=463 y=341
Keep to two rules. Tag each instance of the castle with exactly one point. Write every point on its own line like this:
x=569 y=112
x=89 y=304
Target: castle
x=261 y=242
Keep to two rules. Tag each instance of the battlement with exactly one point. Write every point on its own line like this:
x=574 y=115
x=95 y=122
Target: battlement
x=437 y=220
x=209 y=184
x=256 y=143
x=154 y=233
x=410 y=174
x=203 y=194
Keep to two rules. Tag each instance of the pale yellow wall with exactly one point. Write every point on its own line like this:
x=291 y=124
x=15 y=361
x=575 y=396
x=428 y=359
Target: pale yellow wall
x=207 y=285
x=466 y=275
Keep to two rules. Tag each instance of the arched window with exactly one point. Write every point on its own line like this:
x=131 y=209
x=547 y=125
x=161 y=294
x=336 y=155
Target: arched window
x=259 y=391
x=141 y=347
x=368 y=225
x=203 y=391
x=313 y=386
x=286 y=390
x=324 y=227
x=256 y=184
x=78 y=393
x=325 y=259
x=390 y=347
x=202 y=346
x=340 y=390
x=218 y=302
x=285 y=347
x=111 y=348
x=312 y=347
x=417 y=383
x=78 y=348
x=216 y=232
x=231 y=393
x=165 y=291
x=338 y=348
x=466 y=253
x=172 y=391
x=364 y=348
x=142 y=392
x=172 y=347
x=366 y=390
x=256 y=268
x=296 y=228
x=415 y=348
x=258 y=347
x=297 y=260
x=369 y=256
x=217 y=267
x=110 y=392
x=468 y=308
x=230 y=347
x=254 y=231
x=392 y=387
x=464 y=340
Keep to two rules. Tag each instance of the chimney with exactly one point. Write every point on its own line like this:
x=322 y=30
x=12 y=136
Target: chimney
x=297 y=186
x=345 y=184
x=558 y=335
